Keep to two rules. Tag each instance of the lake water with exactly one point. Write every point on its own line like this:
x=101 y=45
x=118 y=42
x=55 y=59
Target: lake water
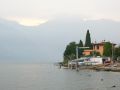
x=50 y=77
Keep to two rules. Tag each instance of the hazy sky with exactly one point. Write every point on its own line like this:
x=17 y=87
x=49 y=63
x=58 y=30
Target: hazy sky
x=35 y=12
x=56 y=23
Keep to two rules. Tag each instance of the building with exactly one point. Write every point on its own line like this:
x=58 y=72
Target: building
x=87 y=52
x=97 y=47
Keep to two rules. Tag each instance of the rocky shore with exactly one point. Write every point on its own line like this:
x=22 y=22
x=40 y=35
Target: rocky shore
x=112 y=67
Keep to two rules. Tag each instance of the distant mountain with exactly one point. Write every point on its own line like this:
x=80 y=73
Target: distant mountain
x=47 y=42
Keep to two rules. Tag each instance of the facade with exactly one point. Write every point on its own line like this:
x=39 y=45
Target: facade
x=87 y=52
x=97 y=47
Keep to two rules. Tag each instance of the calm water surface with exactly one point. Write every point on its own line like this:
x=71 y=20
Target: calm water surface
x=50 y=77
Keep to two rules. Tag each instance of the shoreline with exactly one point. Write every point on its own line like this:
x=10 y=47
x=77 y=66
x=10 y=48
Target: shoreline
x=112 y=68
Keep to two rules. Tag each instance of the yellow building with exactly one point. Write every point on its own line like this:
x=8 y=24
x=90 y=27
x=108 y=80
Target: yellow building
x=97 y=47
x=87 y=52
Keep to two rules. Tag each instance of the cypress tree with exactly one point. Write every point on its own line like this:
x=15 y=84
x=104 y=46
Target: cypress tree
x=80 y=50
x=88 y=40
x=80 y=43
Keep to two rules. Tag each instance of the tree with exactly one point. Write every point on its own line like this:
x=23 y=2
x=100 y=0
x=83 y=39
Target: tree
x=80 y=43
x=88 y=40
x=107 y=49
x=80 y=50
x=117 y=51
x=70 y=52
x=96 y=53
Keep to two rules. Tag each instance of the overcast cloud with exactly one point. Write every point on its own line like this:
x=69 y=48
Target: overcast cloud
x=54 y=23
x=86 y=9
